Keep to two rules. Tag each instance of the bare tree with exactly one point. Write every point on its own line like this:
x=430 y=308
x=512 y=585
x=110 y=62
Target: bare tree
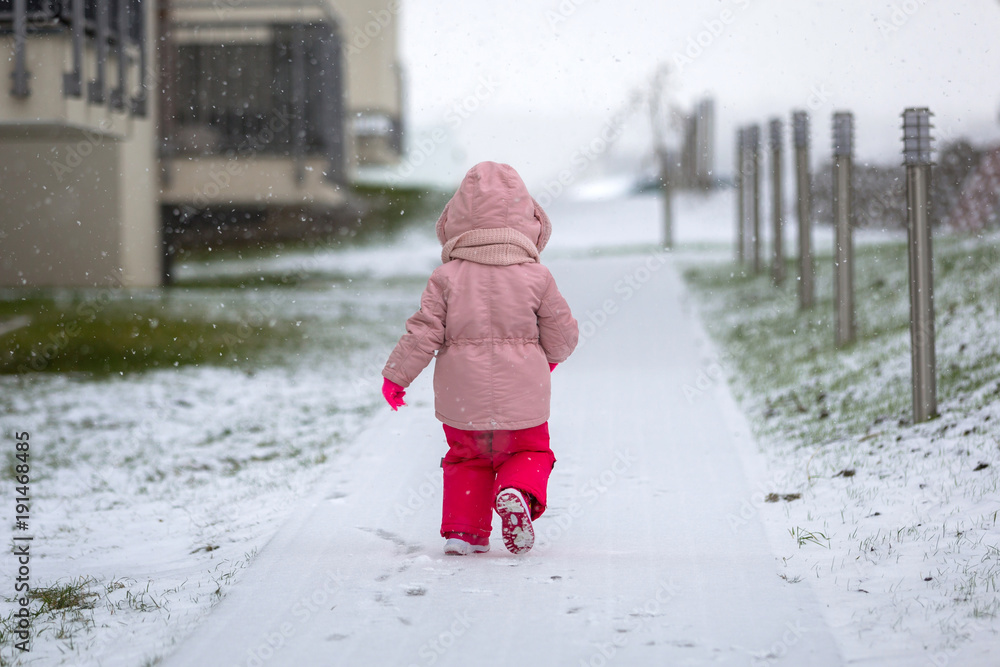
x=665 y=117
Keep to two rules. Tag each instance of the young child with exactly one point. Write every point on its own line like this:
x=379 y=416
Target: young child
x=498 y=325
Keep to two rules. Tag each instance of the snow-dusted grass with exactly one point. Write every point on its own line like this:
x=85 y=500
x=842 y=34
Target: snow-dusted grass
x=896 y=523
x=152 y=489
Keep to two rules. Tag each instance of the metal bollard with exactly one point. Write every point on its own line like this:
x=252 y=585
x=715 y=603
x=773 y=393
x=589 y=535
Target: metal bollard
x=777 y=203
x=843 y=213
x=917 y=158
x=800 y=136
x=753 y=163
x=665 y=191
x=740 y=178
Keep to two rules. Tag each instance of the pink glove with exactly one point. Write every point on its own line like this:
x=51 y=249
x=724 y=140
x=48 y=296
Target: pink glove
x=393 y=394
x=552 y=366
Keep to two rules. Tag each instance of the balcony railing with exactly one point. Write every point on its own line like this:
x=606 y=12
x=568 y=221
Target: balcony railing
x=111 y=25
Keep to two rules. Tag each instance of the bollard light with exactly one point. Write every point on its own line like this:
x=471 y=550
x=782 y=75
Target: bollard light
x=800 y=129
x=752 y=134
x=775 y=127
x=917 y=137
x=843 y=134
x=917 y=158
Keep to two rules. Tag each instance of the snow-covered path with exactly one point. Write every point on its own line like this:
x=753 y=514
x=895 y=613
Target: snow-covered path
x=638 y=560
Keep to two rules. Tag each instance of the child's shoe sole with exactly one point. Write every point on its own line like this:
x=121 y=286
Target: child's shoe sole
x=518 y=535
x=456 y=547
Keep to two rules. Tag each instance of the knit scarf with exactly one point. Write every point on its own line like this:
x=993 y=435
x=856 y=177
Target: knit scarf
x=500 y=246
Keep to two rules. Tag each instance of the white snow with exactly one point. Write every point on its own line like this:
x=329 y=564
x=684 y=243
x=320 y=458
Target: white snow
x=321 y=507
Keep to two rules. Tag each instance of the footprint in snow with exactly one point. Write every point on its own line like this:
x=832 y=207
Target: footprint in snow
x=394 y=538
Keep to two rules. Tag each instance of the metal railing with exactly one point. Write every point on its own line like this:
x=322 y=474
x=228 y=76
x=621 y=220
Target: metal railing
x=106 y=23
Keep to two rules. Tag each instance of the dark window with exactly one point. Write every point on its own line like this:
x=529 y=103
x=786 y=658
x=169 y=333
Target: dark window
x=240 y=97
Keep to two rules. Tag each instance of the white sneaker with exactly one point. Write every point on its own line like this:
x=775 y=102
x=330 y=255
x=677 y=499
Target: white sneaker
x=454 y=546
x=518 y=535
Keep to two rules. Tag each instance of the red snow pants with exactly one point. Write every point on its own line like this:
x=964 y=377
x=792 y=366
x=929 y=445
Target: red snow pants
x=481 y=463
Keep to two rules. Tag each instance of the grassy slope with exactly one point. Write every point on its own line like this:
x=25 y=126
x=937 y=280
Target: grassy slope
x=800 y=388
x=895 y=523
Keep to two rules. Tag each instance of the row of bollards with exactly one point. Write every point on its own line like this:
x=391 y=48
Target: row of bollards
x=917 y=159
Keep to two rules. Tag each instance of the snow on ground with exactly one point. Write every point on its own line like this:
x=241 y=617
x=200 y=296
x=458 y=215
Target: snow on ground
x=285 y=490
x=634 y=564
x=894 y=524
x=155 y=490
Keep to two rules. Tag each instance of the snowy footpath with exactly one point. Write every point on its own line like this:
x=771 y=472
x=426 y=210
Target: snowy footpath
x=637 y=562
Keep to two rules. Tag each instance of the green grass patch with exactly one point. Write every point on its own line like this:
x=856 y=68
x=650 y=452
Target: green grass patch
x=797 y=385
x=74 y=595
x=94 y=332
x=392 y=209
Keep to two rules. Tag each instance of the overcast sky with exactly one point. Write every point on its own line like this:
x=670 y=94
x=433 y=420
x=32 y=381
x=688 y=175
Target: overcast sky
x=530 y=82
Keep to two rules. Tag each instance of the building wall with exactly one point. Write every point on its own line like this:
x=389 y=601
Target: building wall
x=78 y=196
x=374 y=76
x=59 y=231
x=370 y=34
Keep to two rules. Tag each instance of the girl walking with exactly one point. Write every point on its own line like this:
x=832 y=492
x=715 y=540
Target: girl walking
x=497 y=324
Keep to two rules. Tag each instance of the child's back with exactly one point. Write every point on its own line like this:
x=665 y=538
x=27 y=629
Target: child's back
x=496 y=321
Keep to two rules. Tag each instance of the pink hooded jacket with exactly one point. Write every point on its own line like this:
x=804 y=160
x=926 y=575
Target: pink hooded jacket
x=491 y=311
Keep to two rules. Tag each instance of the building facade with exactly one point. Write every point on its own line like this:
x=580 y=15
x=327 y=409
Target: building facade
x=78 y=186
x=248 y=121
